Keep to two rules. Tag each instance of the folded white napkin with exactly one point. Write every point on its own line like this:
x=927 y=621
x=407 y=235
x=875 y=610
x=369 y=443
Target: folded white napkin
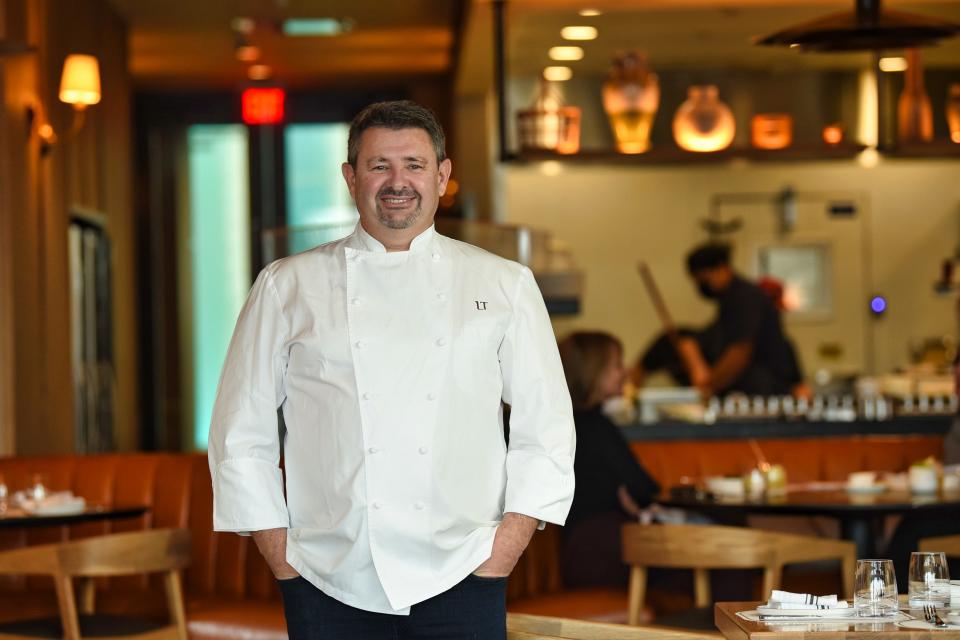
x=801 y=601
x=955 y=593
x=59 y=503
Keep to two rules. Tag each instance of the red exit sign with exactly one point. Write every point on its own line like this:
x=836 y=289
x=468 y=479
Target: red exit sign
x=263 y=106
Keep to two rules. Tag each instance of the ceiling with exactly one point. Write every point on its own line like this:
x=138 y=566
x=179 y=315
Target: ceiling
x=188 y=43
x=691 y=34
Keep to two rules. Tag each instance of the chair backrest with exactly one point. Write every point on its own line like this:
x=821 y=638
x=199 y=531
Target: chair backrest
x=697 y=546
x=529 y=627
x=135 y=552
x=704 y=547
x=950 y=545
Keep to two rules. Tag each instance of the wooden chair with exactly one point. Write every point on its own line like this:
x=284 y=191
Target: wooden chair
x=705 y=547
x=529 y=627
x=163 y=551
x=950 y=545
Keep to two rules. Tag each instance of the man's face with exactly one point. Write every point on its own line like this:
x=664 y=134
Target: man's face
x=712 y=282
x=397 y=182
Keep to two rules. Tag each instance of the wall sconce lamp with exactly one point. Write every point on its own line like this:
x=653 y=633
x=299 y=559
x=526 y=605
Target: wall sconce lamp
x=80 y=86
x=38 y=125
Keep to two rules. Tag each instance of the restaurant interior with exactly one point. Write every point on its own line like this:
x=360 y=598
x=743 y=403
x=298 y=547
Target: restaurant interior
x=156 y=155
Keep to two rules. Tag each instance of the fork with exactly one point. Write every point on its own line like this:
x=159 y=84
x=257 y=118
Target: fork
x=930 y=614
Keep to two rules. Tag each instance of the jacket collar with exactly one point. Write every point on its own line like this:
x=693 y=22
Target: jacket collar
x=363 y=241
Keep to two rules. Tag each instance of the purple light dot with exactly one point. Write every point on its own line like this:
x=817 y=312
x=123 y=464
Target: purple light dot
x=878 y=304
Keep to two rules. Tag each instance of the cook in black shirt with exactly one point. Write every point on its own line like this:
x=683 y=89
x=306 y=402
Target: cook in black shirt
x=751 y=353
x=611 y=485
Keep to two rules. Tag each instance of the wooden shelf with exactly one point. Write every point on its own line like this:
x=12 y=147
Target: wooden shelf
x=673 y=155
x=935 y=149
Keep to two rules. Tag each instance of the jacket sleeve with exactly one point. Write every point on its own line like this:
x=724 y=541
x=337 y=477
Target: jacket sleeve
x=244 y=442
x=542 y=438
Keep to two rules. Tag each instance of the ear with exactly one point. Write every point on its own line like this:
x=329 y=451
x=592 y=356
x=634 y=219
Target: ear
x=445 y=168
x=350 y=177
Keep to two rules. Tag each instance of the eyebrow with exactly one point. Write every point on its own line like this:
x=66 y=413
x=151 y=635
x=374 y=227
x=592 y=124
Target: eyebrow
x=405 y=159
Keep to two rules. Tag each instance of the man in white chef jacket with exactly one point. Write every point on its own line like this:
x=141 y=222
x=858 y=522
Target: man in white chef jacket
x=391 y=353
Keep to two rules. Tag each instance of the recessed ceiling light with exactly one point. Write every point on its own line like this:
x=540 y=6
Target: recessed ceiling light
x=243 y=25
x=578 y=32
x=897 y=63
x=247 y=53
x=557 y=74
x=590 y=13
x=565 y=53
x=316 y=26
x=259 y=72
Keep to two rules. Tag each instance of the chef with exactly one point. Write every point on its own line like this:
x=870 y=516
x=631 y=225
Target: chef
x=391 y=353
x=745 y=349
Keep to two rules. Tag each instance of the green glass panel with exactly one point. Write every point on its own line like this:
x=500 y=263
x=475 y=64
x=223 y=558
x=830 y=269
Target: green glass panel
x=218 y=260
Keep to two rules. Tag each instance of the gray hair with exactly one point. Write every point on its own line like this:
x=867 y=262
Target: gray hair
x=396 y=114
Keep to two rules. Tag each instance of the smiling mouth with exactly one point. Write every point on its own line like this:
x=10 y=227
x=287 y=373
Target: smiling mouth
x=397 y=201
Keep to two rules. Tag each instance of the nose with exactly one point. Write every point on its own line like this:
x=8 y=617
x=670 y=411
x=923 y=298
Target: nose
x=397 y=178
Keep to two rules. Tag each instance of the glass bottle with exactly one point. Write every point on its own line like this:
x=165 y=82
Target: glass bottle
x=953 y=111
x=703 y=123
x=914 y=114
x=631 y=96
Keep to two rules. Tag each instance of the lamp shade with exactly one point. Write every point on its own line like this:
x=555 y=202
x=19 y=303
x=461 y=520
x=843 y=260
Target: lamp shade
x=80 y=84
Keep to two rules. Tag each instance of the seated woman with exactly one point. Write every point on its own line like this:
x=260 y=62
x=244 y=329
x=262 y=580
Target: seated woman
x=611 y=486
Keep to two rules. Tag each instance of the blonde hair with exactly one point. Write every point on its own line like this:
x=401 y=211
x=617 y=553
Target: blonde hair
x=585 y=354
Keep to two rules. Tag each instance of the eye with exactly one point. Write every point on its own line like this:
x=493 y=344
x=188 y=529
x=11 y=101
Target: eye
x=415 y=166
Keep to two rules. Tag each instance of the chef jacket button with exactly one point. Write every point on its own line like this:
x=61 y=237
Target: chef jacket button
x=358 y=344
x=375 y=505
x=441 y=296
x=423 y=451
x=441 y=342
x=366 y=395
x=436 y=257
x=418 y=506
x=355 y=302
x=431 y=396
x=372 y=450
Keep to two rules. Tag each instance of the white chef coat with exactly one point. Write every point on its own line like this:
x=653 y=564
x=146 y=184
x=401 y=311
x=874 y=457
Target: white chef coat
x=390 y=368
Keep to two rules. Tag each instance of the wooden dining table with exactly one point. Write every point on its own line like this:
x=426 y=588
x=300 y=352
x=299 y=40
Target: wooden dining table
x=14 y=518
x=733 y=627
x=860 y=515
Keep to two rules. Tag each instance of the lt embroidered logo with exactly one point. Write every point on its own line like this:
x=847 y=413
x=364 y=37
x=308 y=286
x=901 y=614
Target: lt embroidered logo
x=481 y=305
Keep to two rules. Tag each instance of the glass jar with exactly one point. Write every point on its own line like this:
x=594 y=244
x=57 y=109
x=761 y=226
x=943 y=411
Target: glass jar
x=703 y=123
x=548 y=124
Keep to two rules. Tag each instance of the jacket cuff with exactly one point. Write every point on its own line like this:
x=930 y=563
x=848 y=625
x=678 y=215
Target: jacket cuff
x=539 y=486
x=248 y=496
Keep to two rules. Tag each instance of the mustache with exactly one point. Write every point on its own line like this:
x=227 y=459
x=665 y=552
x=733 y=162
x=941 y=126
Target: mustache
x=398 y=193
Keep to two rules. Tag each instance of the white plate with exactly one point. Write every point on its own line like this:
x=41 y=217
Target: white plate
x=57 y=508
x=848 y=612
x=923 y=624
x=872 y=488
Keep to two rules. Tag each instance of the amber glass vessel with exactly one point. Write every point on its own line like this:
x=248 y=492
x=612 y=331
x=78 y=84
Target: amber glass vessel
x=703 y=122
x=631 y=95
x=953 y=112
x=914 y=114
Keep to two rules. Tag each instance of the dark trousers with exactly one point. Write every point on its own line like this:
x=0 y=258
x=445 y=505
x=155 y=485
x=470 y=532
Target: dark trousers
x=474 y=609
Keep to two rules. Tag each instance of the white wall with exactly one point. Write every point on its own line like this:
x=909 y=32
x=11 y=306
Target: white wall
x=612 y=216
